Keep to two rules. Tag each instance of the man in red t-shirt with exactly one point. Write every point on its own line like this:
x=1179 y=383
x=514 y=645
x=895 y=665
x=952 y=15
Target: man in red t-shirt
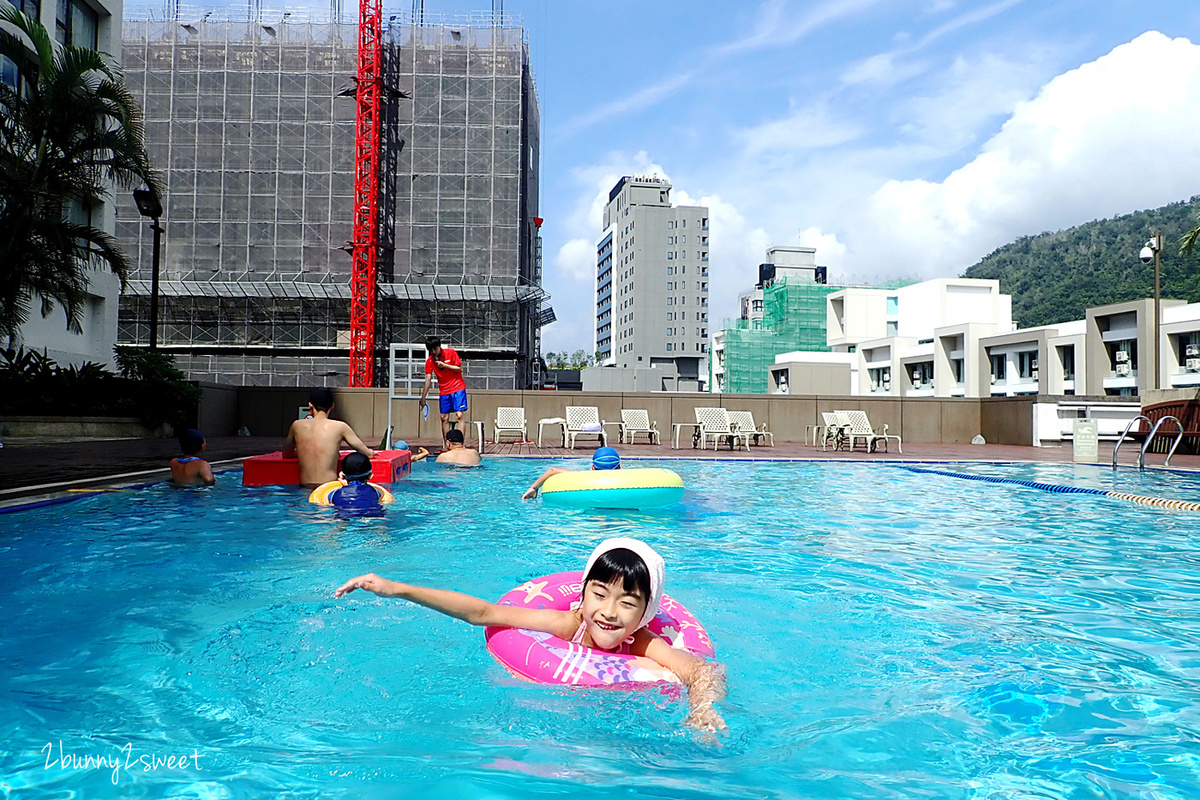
x=448 y=366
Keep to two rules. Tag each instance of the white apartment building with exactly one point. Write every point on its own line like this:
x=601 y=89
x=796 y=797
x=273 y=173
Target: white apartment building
x=904 y=336
x=855 y=316
x=95 y=24
x=652 y=282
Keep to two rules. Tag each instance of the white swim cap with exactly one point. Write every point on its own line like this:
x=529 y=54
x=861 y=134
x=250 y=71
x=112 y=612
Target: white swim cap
x=654 y=565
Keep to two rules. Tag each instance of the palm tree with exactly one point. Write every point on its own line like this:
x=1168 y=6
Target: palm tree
x=1187 y=243
x=69 y=132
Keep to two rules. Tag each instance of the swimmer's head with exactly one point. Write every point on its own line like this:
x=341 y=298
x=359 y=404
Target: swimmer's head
x=356 y=467
x=400 y=444
x=191 y=442
x=321 y=398
x=455 y=436
x=606 y=458
x=632 y=564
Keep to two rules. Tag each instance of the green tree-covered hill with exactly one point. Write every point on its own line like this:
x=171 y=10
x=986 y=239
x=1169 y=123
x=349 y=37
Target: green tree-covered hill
x=1055 y=277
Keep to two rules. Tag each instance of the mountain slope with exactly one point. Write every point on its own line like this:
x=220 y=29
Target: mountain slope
x=1054 y=277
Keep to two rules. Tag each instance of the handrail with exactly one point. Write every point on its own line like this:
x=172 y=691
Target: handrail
x=1125 y=433
x=1154 y=430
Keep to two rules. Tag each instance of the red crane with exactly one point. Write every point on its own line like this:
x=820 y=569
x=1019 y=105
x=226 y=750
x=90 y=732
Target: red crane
x=365 y=242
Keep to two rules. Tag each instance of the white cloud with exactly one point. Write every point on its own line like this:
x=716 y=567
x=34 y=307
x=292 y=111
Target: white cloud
x=775 y=29
x=577 y=260
x=636 y=101
x=1114 y=135
x=804 y=129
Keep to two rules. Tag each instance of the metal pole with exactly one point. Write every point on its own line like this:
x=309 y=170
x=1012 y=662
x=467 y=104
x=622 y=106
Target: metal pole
x=1158 y=245
x=154 y=287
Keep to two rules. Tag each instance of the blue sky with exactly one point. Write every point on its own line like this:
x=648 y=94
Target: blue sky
x=898 y=137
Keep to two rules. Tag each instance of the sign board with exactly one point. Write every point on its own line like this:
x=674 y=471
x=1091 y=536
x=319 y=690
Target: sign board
x=1086 y=441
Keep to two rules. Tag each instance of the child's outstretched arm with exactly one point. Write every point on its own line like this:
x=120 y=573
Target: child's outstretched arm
x=465 y=607
x=532 y=491
x=705 y=682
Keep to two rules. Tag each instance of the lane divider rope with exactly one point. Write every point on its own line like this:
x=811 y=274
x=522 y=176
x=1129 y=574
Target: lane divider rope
x=1153 y=502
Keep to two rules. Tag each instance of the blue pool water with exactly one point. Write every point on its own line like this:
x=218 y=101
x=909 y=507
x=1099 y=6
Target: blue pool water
x=886 y=635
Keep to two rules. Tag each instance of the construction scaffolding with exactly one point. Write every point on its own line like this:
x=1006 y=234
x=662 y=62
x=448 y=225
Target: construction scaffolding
x=252 y=125
x=793 y=319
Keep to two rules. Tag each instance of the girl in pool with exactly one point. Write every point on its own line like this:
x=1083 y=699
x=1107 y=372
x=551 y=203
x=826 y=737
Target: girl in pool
x=622 y=590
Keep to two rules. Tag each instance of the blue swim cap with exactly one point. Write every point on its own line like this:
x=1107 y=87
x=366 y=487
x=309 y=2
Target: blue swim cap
x=399 y=444
x=606 y=458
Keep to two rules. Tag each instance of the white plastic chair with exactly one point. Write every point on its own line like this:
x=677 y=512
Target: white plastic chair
x=584 y=421
x=859 y=427
x=635 y=421
x=714 y=424
x=744 y=420
x=832 y=431
x=510 y=420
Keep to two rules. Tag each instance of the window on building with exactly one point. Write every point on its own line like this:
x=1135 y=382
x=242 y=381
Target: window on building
x=1066 y=355
x=683 y=269
x=77 y=24
x=683 y=222
x=683 y=239
x=670 y=256
x=1027 y=365
x=1124 y=357
x=893 y=306
x=892 y=328
x=999 y=364
x=669 y=346
x=921 y=374
x=1189 y=352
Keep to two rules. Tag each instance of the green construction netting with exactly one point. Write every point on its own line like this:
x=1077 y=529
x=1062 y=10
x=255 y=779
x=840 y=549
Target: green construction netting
x=793 y=319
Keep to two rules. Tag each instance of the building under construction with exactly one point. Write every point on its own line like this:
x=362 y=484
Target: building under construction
x=252 y=124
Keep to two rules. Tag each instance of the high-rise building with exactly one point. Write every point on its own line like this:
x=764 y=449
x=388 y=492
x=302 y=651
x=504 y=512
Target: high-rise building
x=652 y=281
x=253 y=125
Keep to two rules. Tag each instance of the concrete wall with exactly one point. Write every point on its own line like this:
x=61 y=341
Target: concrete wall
x=218 y=413
x=268 y=411
x=1007 y=420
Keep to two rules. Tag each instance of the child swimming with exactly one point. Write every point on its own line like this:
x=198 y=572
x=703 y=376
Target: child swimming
x=622 y=590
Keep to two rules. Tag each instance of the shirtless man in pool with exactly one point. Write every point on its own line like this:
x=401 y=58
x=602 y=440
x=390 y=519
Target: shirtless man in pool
x=315 y=441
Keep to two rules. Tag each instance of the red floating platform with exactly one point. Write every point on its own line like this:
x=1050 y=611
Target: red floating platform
x=272 y=469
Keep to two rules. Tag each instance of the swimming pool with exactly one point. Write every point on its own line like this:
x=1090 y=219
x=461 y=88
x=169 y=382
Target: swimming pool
x=886 y=634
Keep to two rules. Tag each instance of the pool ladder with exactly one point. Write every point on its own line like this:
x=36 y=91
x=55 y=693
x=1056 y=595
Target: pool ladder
x=1146 y=444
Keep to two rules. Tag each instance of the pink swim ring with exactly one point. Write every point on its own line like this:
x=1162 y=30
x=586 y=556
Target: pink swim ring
x=544 y=658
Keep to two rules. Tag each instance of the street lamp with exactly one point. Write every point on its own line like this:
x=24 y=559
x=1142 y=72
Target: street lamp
x=148 y=205
x=1152 y=250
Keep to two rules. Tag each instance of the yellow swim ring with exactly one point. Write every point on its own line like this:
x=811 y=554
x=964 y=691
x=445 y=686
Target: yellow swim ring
x=320 y=495
x=613 y=488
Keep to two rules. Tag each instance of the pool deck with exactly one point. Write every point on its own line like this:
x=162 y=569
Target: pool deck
x=36 y=470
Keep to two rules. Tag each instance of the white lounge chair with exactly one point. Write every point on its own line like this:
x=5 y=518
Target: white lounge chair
x=714 y=424
x=635 y=421
x=510 y=420
x=831 y=431
x=584 y=421
x=744 y=420
x=859 y=427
